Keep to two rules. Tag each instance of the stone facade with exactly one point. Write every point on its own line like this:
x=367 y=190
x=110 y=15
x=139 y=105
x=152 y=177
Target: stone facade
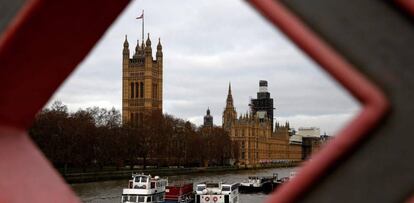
x=257 y=143
x=142 y=79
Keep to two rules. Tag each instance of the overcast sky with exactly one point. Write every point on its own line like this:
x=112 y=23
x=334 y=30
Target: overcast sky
x=206 y=45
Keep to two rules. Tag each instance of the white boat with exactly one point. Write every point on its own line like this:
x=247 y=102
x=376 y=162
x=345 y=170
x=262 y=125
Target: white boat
x=145 y=189
x=217 y=193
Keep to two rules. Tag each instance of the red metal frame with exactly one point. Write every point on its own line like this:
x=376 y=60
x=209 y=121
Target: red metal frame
x=375 y=104
x=407 y=4
x=39 y=48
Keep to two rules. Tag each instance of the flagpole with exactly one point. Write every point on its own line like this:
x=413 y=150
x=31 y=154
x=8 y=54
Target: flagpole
x=143 y=26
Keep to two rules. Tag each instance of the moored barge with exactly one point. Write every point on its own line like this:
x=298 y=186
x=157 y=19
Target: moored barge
x=217 y=193
x=254 y=184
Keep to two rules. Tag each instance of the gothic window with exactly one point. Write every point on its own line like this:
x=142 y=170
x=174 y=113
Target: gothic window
x=142 y=90
x=132 y=90
x=136 y=89
x=154 y=91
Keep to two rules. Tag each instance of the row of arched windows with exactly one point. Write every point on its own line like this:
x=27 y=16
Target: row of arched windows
x=137 y=90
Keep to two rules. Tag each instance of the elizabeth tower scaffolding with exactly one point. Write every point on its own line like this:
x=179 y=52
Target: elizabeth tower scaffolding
x=141 y=81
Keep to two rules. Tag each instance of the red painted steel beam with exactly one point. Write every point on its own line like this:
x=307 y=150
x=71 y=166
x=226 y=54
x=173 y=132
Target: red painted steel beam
x=407 y=4
x=39 y=48
x=42 y=46
x=375 y=105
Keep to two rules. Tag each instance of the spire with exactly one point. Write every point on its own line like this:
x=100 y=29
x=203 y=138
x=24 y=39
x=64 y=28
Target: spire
x=138 y=50
x=159 y=46
x=137 y=47
x=229 y=98
x=126 y=44
x=208 y=110
x=148 y=49
x=125 y=52
x=148 y=42
x=229 y=114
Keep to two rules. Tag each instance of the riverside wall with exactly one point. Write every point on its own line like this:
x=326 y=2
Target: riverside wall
x=112 y=174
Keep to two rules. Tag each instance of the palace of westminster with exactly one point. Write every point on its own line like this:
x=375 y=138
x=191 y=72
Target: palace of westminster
x=258 y=140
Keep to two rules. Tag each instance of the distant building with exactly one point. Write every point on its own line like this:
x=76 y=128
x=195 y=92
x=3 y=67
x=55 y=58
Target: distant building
x=142 y=79
x=295 y=139
x=312 y=141
x=310 y=145
x=253 y=134
x=262 y=106
x=309 y=132
x=208 y=119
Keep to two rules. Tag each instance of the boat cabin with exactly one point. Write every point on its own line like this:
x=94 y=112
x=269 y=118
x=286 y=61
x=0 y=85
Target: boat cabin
x=145 y=189
x=217 y=193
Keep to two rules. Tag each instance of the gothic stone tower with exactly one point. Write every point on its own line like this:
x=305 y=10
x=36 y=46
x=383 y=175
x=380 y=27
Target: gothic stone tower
x=141 y=81
x=229 y=114
x=208 y=119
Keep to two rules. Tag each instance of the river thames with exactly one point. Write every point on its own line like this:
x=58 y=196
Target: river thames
x=110 y=191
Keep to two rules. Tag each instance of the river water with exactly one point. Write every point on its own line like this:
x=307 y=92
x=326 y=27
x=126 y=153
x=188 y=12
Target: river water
x=110 y=191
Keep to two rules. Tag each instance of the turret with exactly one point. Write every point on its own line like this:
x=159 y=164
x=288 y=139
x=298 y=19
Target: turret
x=137 y=50
x=148 y=49
x=208 y=119
x=125 y=52
x=159 y=48
x=126 y=47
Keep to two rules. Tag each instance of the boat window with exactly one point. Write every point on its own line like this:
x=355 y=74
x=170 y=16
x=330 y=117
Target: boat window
x=201 y=188
x=149 y=199
x=226 y=188
x=144 y=179
x=157 y=197
x=212 y=185
x=133 y=198
x=141 y=199
x=124 y=198
x=137 y=178
x=152 y=185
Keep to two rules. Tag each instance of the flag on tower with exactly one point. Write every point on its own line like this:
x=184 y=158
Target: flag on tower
x=141 y=16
